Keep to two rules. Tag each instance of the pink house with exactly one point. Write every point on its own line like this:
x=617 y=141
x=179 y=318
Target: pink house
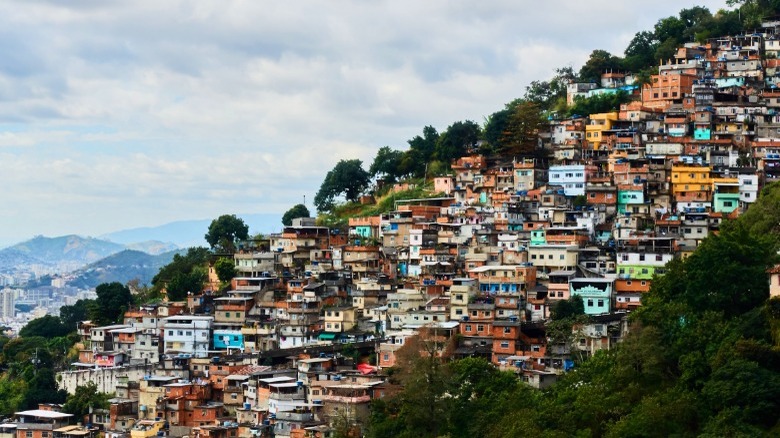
x=443 y=184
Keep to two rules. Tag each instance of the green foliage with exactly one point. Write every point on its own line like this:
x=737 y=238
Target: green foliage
x=601 y=103
x=598 y=62
x=185 y=273
x=494 y=127
x=520 y=136
x=42 y=388
x=347 y=178
x=386 y=164
x=12 y=391
x=183 y=283
x=570 y=308
x=702 y=359
x=460 y=139
x=549 y=94
x=73 y=314
x=297 y=211
x=225 y=232
x=225 y=269
x=47 y=327
x=86 y=396
x=113 y=299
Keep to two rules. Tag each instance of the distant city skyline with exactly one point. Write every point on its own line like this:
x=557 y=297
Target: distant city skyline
x=134 y=114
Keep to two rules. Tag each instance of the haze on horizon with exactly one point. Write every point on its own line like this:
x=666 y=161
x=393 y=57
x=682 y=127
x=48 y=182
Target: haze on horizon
x=118 y=115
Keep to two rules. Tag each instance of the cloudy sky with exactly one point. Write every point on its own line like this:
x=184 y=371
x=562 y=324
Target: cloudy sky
x=121 y=114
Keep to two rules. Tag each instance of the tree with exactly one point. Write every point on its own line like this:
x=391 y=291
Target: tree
x=185 y=273
x=85 y=398
x=387 y=164
x=458 y=140
x=47 y=326
x=495 y=125
x=640 y=53
x=568 y=308
x=183 y=283
x=550 y=95
x=347 y=178
x=73 y=314
x=598 y=62
x=425 y=146
x=42 y=388
x=225 y=232
x=225 y=269
x=600 y=103
x=113 y=299
x=297 y=211
x=521 y=133
x=421 y=152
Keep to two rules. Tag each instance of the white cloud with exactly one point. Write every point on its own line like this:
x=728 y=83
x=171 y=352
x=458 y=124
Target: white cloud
x=123 y=114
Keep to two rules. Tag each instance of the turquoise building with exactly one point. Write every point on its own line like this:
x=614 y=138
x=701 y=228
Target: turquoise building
x=596 y=293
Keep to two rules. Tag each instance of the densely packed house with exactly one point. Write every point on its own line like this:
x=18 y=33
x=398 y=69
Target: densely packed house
x=299 y=341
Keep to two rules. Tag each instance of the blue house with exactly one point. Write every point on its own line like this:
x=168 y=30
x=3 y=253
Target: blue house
x=596 y=293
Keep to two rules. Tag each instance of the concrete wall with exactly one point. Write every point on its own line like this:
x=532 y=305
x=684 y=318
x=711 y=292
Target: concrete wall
x=105 y=378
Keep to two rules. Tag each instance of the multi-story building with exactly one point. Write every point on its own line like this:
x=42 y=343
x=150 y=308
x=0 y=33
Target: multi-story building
x=187 y=334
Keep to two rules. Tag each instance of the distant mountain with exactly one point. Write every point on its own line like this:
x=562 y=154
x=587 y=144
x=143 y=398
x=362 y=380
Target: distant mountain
x=122 y=267
x=10 y=258
x=64 y=250
x=153 y=247
x=190 y=233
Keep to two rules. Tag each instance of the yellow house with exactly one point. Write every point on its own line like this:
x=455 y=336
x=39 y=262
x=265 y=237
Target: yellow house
x=691 y=179
x=339 y=319
x=147 y=428
x=599 y=123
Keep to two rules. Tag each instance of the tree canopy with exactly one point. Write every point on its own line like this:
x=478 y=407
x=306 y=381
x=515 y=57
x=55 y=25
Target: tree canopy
x=225 y=269
x=387 y=164
x=185 y=273
x=225 y=232
x=47 y=326
x=113 y=299
x=86 y=396
x=347 y=178
x=296 y=211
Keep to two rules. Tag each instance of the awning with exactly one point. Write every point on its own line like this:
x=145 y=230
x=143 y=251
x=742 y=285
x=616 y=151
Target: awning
x=327 y=336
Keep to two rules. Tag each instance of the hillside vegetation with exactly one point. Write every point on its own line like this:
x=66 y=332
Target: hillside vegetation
x=702 y=359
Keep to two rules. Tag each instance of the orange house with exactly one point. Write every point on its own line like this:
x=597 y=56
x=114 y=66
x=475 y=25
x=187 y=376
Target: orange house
x=505 y=337
x=667 y=88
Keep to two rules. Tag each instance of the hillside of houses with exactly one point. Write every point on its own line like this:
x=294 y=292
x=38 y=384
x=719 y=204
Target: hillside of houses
x=302 y=342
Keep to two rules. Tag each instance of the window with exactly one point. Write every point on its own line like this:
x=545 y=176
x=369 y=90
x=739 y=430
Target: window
x=504 y=344
x=659 y=258
x=480 y=328
x=508 y=330
x=601 y=303
x=590 y=303
x=468 y=327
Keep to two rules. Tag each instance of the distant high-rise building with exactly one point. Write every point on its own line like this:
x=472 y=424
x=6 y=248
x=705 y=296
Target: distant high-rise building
x=7 y=302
